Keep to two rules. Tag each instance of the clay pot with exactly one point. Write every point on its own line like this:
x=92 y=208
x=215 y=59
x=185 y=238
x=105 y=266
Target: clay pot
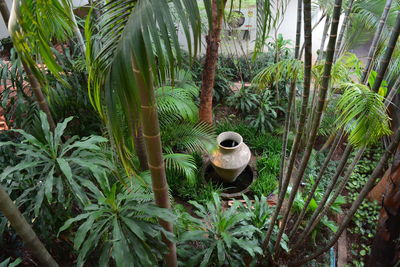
x=231 y=157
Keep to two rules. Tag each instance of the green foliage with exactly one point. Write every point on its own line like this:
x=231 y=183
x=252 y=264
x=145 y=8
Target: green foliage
x=51 y=173
x=21 y=110
x=243 y=68
x=120 y=225
x=363 y=114
x=259 y=108
x=268 y=172
x=244 y=100
x=365 y=220
x=281 y=47
x=181 y=135
x=224 y=235
x=260 y=214
x=9 y=263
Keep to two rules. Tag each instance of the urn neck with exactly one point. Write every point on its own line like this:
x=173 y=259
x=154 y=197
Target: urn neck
x=229 y=141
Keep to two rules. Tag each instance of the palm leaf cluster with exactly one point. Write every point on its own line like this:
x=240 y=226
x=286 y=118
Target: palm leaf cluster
x=121 y=225
x=143 y=32
x=33 y=26
x=363 y=114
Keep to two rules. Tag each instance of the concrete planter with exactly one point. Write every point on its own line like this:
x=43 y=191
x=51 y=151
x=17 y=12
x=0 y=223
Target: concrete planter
x=231 y=157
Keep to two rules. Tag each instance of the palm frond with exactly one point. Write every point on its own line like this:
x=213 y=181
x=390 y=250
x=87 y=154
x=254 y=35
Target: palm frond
x=288 y=69
x=177 y=103
x=145 y=32
x=362 y=114
x=188 y=137
x=178 y=164
x=33 y=26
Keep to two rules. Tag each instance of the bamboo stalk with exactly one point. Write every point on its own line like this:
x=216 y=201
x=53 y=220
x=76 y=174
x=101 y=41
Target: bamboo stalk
x=24 y=230
x=331 y=200
x=291 y=97
x=384 y=63
x=364 y=192
x=151 y=133
x=342 y=30
x=303 y=115
x=5 y=13
x=375 y=40
x=310 y=196
x=298 y=29
x=324 y=35
x=317 y=120
x=327 y=193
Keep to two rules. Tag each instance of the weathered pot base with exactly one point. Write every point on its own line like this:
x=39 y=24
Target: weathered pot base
x=230 y=189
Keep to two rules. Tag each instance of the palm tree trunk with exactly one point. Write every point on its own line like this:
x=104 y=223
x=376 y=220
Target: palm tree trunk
x=77 y=32
x=24 y=230
x=342 y=30
x=5 y=12
x=298 y=29
x=303 y=115
x=210 y=64
x=151 y=133
x=140 y=147
x=375 y=41
x=364 y=192
x=392 y=93
x=384 y=63
x=317 y=116
x=324 y=35
x=291 y=97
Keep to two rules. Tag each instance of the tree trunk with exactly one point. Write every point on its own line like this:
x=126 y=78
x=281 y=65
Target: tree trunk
x=316 y=183
x=303 y=115
x=140 y=147
x=40 y=98
x=298 y=29
x=384 y=63
x=356 y=204
x=210 y=64
x=375 y=40
x=77 y=32
x=383 y=251
x=342 y=30
x=324 y=35
x=24 y=230
x=151 y=133
x=5 y=13
x=317 y=118
x=291 y=97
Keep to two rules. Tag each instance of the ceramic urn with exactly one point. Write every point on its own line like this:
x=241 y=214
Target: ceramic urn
x=231 y=157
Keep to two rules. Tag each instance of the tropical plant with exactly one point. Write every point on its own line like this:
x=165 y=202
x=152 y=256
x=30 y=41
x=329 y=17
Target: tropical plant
x=245 y=100
x=265 y=113
x=362 y=113
x=51 y=173
x=120 y=226
x=225 y=236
